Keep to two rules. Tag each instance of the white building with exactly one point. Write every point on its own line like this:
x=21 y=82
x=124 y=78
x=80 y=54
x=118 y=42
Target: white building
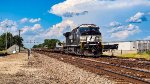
x=138 y=46
x=14 y=49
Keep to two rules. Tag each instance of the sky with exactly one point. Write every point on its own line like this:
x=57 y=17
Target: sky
x=119 y=20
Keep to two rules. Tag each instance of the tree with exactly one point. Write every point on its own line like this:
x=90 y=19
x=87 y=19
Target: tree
x=38 y=46
x=18 y=40
x=35 y=46
x=2 y=46
x=11 y=40
x=50 y=43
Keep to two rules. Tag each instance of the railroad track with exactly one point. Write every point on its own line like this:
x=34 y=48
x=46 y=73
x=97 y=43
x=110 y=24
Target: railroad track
x=120 y=66
x=123 y=71
x=116 y=71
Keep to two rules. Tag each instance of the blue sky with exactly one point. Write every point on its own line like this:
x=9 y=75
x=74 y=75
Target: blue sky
x=119 y=20
x=18 y=9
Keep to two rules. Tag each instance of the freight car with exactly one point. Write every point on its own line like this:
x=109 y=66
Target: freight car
x=85 y=40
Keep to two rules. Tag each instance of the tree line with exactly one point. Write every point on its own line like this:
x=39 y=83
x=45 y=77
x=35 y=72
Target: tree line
x=48 y=43
x=11 y=40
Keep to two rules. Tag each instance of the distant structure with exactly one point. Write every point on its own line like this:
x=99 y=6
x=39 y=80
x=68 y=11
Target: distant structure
x=131 y=46
x=14 y=49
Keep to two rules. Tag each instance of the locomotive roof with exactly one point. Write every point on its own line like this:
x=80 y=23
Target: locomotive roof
x=82 y=25
x=66 y=34
x=88 y=25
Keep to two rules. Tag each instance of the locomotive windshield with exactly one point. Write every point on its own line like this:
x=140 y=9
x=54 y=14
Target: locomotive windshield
x=89 y=31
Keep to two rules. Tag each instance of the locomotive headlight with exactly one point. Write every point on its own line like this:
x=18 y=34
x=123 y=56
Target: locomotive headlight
x=98 y=38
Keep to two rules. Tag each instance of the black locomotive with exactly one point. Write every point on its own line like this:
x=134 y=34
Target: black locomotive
x=84 y=40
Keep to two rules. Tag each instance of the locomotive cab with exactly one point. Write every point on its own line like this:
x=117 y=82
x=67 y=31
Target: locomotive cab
x=84 y=40
x=90 y=40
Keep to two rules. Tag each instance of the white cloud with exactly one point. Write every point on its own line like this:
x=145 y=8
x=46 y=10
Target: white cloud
x=54 y=32
x=28 y=32
x=9 y=25
x=57 y=30
x=36 y=26
x=115 y=24
x=71 y=14
x=122 y=32
x=147 y=38
x=78 y=6
x=31 y=29
x=25 y=29
x=23 y=20
x=101 y=12
x=137 y=18
x=34 y=20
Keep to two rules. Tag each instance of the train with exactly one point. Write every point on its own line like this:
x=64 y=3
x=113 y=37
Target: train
x=85 y=39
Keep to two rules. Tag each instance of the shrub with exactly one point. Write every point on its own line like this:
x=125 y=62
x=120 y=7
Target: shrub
x=148 y=52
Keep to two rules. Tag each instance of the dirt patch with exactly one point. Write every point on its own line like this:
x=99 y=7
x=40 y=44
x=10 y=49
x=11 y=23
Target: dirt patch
x=41 y=69
x=11 y=64
x=15 y=69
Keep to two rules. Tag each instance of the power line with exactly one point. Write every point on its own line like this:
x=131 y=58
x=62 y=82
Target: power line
x=31 y=42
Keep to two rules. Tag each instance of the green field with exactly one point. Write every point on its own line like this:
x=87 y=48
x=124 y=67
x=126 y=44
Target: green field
x=144 y=55
x=3 y=52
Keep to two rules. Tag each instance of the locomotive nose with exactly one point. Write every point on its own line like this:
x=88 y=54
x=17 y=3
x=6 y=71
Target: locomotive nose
x=90 y=38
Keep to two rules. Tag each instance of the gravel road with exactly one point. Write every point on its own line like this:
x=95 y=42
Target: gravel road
x=40 y=69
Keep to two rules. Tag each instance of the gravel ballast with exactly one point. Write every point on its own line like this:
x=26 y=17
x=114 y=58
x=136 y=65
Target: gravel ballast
x=69 y=73
x=41 y=69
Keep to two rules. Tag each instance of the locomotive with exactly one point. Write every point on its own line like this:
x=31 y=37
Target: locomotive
x=85 y=39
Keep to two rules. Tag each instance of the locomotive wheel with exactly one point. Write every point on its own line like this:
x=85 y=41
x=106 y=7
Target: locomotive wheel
x=78 y=52
x=86 y=53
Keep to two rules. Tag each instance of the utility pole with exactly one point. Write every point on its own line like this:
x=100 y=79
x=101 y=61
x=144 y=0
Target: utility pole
x=19 y=40
x=6 y=38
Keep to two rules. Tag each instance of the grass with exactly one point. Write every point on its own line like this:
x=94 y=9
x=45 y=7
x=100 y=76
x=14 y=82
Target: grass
x=3 y=52
x=144 y=55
